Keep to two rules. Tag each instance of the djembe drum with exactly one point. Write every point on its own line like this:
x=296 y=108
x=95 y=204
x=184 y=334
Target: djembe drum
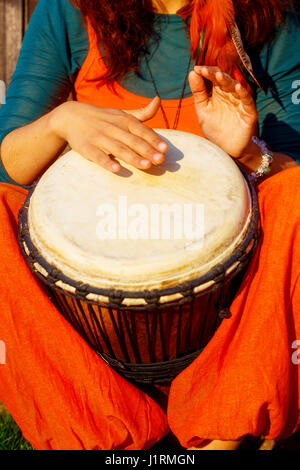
x=143 y=264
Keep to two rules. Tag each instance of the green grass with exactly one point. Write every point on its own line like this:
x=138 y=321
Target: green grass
x=11 y=437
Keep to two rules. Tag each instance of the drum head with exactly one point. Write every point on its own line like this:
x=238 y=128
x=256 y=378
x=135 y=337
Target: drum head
x=140 y=230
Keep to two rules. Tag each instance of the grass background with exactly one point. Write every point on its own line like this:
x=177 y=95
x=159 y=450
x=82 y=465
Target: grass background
x=11 y=437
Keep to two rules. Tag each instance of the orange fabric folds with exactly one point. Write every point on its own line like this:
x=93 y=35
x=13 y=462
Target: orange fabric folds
x=61 y=394
x=246 y=381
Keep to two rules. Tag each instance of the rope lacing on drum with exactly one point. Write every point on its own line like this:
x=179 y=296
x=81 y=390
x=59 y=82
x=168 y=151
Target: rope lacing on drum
x=115 y=298
x=187 y=290
x=82 y=290
x=152 y=297
x=219 y=274
x=54 y=275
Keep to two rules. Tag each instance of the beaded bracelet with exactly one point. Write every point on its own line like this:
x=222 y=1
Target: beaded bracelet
x=267 y=159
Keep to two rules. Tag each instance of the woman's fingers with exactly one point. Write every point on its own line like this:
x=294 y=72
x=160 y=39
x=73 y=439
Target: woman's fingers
x=207 y=72
x=198 y=88
x=110 y=150
x=243 y=93
x=151 y=137
x=138 y=139
x=219 y=78
x=228 y=85
x=121 y=151
x=147 y=112
x=94 y=154
x=108 y=132
x=225 y=82
x=128 y=122
x=134 y=124
x=246 y=98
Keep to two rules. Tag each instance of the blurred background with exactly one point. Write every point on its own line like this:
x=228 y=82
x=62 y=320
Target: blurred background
x=14 y=17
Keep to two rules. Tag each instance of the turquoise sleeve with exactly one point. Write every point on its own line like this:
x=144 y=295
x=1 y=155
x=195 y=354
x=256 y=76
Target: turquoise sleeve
x=53 y=50
x=277 y=68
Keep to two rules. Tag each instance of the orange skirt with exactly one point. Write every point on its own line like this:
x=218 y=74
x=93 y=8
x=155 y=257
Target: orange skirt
x=245 y=382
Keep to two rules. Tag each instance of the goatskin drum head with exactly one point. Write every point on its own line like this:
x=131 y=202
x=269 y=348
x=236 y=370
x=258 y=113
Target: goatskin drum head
x=106 y=229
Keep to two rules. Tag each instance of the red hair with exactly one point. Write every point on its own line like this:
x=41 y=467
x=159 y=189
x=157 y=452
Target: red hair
x=124 y=27
x=211 y=42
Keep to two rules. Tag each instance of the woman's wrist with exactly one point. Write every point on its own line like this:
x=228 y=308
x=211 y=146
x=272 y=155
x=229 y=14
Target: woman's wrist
x=251 y=157
x=257 y=160
x=58 y=119
x=267 y=158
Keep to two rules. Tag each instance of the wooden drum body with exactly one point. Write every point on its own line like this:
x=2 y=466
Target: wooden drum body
x=123 y=262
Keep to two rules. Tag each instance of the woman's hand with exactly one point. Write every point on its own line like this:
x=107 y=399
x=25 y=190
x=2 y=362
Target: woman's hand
x=103 y=135
x=228 y=117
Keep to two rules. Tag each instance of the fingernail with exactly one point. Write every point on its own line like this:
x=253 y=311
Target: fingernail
x=115 y=167
x=144 y=162
x=157 y=157
x=162 y=146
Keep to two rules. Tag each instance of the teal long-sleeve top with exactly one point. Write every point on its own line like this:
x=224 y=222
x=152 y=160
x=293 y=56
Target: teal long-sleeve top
x=56 y=44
